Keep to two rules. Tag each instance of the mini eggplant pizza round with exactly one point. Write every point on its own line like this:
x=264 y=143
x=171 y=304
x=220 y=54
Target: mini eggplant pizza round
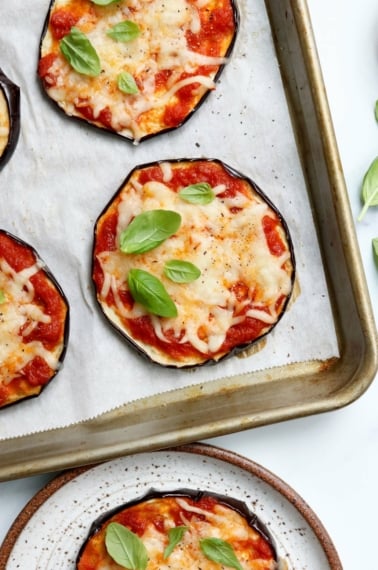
x=136 y=68
x=178 y=530
x=191 y=262
x=33 y=322
x=9 y=118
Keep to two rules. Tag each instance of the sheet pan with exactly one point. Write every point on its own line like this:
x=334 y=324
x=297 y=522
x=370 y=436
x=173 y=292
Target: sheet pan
x=207 y=410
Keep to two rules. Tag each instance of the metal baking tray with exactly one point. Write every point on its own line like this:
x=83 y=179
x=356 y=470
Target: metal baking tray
x=268 y=396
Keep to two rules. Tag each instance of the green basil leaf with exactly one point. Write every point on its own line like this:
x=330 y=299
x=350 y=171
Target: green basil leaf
x=175 y=535
x=103 y=2
x=148 y=230
x=201 y=193
x=125 y=547
x=125 y=31
x=369 y=193
x=375 y=249
x=220 y=551
x=2 y=297
x=150 y=292
x=80 y=53
x=376 y=111
x=181 y=271
x=126 y=83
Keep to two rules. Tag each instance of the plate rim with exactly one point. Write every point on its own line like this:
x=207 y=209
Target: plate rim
x=197 y=448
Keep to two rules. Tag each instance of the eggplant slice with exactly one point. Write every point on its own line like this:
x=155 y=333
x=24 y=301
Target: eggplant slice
x=34 y=322
x=201 y=289
x=135 y=70
x=180 y=529
x=9 y=118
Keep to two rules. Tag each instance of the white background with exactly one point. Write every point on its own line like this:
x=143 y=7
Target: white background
x=330 y=459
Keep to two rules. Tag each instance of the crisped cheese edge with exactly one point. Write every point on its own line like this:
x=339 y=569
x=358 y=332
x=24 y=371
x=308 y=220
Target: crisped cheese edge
x=4 y=123
x=161 y=45
x=228 y=248
x=16 y=311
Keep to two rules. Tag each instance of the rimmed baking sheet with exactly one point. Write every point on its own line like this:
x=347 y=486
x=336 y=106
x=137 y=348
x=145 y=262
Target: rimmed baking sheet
x=263 y=395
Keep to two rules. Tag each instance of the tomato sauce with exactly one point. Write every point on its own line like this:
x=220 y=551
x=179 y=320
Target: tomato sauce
x=273 y=238
x=61 y=22
x=217 y=27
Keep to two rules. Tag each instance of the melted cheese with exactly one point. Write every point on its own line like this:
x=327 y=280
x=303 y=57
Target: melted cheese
x=4 y=123
x=228 y=248
x=161 y=45
x=19 y=313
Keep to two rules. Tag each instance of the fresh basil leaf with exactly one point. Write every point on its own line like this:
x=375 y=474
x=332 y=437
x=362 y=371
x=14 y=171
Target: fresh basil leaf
x=369 y=193
x=80 y=53
x=181 y=271
x=150 y=292
x=175 y=535
x=125 y=547
x=125 y=31
x=2 y=297
x=103 y=2
x=201 y=193
x=148 y=230
x=376 y=111
x=375 y=249
x=220 y=551
x=126 y=83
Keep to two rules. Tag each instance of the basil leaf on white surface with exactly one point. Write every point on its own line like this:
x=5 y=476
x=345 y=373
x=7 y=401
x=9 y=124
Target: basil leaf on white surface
x=175 y=535
x=80 y=53
x=126 y=83
x=125 y=31
x=200 y=193
x=148 y=230
x=125 y=547
x=181 y=271
x=369 y=192
x=376 y=111
x=375 y=249
x=220 y=551
x=150 y=292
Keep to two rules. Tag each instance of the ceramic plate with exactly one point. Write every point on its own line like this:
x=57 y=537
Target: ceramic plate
x=48 y=533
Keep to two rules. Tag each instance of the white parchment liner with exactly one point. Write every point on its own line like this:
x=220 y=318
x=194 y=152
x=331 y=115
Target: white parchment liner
x=64 y=172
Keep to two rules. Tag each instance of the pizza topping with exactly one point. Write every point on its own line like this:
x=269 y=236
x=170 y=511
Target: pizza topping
x=194 y=530
x=181 y=271
x=148 y=230
x=125 y=31
x=125 y=547
x=226 y=265
x=200 y=193
x=150 y=292
x=96 y=48
x=80 y=53
x=33 y=330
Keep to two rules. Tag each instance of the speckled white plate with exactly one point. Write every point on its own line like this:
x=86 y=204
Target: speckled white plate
x=49 y=531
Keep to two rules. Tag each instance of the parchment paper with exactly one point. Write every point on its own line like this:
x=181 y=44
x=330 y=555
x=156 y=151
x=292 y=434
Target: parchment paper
x=64 y=172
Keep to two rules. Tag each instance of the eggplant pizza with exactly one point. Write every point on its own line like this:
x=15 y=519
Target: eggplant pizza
x=33 y=322
x=9 y=118
x=178 y=530
x=191 y=261
x=134 y=67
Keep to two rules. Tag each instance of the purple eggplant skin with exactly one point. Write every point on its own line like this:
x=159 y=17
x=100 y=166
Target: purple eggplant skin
x=50 y=276
x=236 y=15
x=12 y=96
x=237 y=349
x=230 y=502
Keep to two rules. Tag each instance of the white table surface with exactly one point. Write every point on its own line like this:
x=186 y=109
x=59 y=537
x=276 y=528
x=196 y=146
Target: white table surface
x=331 y=459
